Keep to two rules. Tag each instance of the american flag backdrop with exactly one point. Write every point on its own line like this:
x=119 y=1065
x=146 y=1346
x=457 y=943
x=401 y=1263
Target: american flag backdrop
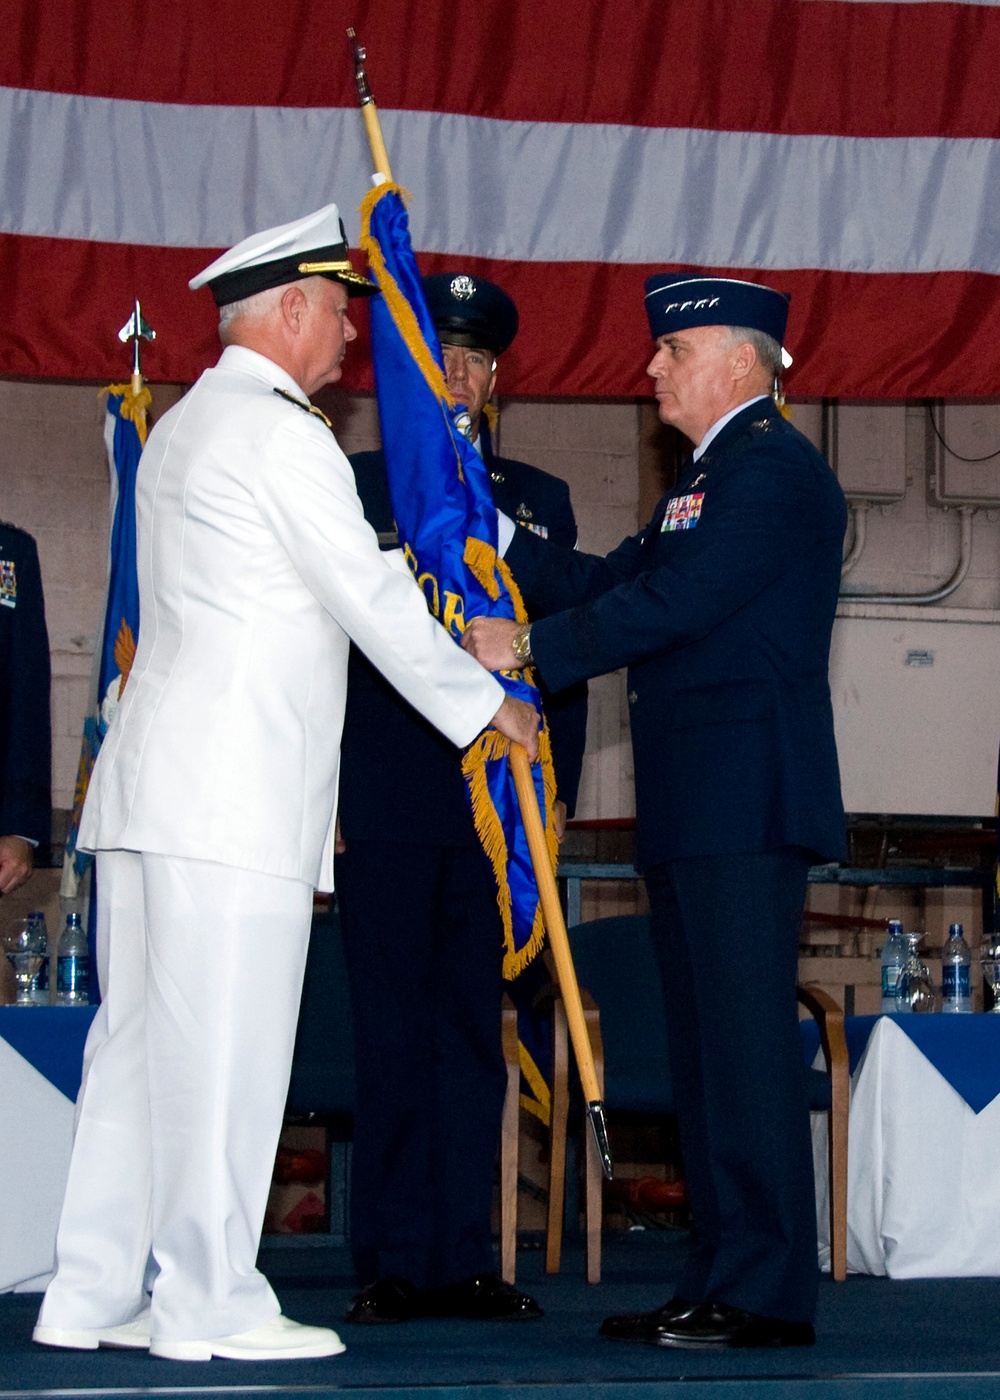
x=847 y=151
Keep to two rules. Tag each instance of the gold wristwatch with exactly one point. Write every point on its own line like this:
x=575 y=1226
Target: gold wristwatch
x=520 y=644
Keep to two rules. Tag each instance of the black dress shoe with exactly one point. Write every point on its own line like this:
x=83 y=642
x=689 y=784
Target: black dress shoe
x=387 y=1300
x=707 y=1327
x=640 y=1327
x=484 y=1298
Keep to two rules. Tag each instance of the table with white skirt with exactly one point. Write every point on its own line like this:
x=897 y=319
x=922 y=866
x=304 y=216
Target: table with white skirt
x=924 y=1147
x=41 y=1058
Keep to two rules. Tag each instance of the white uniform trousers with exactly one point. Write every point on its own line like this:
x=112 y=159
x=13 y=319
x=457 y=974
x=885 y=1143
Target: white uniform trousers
x=185 y=1077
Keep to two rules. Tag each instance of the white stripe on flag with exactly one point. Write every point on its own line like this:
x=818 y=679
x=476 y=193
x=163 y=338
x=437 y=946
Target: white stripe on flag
x=78 y=167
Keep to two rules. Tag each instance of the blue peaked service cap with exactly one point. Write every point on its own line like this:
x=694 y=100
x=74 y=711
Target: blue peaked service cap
x=468 y=310
x=678 y=301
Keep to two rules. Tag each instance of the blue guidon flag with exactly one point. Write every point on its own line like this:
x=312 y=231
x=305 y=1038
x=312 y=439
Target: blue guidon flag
x=447 y=526
x=125 y=437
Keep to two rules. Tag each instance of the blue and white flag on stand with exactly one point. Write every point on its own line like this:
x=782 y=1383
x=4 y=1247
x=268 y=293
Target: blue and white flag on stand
x=125 y=437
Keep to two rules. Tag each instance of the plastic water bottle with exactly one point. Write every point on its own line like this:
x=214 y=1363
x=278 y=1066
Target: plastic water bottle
x=895 y=951
x=956 y=972
x=72 y=965
x=40 y=981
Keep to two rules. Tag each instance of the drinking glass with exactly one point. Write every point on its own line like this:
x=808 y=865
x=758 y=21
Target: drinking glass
x=916 y=990
x=989 y=961
x=25 y=949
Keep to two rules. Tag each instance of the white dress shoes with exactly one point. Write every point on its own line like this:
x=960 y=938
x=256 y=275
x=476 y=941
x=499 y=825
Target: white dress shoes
x=127 y=1334
x=278 y=1339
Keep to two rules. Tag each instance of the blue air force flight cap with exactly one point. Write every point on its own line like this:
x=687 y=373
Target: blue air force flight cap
x=678 y=301
x=469 y=310
x=313 y=246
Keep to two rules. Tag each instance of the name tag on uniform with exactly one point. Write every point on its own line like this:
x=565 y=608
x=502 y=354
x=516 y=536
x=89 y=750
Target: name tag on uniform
x=683 y=512
x=8 y=584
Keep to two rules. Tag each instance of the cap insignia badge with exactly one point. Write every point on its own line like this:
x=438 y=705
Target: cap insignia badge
x=462 y=287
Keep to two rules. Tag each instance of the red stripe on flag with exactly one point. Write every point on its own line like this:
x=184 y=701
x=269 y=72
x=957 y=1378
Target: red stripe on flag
x=583 y=329
x=761 y=65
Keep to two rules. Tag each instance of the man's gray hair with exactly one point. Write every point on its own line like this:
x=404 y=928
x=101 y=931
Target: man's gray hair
x=767 y=348
x=252 y=308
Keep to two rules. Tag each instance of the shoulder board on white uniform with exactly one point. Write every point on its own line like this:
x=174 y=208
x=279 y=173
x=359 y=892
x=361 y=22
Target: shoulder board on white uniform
x=305 y=407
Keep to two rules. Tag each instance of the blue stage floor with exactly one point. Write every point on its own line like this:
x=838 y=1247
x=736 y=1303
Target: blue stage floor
x=875 y=1338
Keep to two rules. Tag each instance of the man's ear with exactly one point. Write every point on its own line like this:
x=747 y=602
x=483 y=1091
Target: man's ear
x=744 y=360
x=294 y=305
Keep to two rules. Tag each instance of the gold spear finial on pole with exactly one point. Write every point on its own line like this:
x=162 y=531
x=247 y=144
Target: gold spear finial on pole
x=136 y=328
x=369 y=111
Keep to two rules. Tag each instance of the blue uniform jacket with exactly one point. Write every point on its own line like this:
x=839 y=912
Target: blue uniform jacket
x=722 y=610
x=25 y=726
x=400 y=780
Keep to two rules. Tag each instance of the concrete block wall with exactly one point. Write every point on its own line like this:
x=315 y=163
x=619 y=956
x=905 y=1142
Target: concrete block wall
x=53 y=481
x=912 y=543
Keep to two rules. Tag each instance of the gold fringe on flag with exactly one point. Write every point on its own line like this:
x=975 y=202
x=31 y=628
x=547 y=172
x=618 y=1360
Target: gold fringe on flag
x=133 y=407
x=489 y=828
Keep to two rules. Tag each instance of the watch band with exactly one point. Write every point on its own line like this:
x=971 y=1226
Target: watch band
x=521 y=644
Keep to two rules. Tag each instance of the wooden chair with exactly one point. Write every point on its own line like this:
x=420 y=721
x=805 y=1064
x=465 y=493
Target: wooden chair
x=510 y=1144
x=830 y=1020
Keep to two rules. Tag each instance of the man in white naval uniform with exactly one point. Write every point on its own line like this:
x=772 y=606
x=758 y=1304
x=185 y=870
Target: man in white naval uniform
x=212 y=806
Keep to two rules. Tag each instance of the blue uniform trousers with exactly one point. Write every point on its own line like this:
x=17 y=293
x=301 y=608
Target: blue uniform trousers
x=423 y=941
x=726 y=930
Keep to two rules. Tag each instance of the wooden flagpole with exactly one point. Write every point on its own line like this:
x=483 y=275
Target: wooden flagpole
x=555 y=926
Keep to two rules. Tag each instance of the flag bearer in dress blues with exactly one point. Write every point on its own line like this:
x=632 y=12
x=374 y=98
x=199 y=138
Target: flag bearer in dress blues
x=418 y=904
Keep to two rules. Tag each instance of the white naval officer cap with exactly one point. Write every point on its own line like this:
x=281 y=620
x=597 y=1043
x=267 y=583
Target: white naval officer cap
x=313 y=246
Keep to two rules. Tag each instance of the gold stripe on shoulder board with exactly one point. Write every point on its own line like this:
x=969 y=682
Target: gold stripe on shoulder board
x=305 y=407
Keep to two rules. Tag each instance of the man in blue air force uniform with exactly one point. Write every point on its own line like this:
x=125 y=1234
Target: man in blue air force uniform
x=418 y=907
x=722 y=609
x=25 y=727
